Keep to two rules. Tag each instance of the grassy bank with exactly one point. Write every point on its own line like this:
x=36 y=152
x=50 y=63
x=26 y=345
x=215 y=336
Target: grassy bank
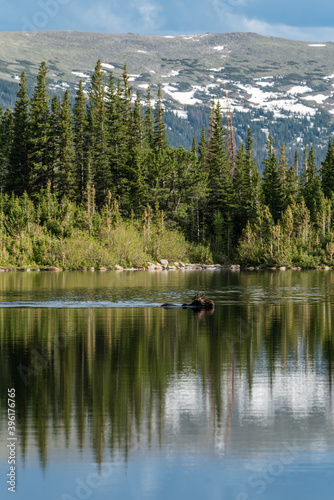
x=125 y=245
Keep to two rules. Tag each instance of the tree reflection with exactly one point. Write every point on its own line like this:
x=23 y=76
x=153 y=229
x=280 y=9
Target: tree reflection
x=102 y=375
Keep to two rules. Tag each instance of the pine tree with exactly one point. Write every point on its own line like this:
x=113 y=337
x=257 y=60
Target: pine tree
x=202 y=149
x=54 y=148
x=137 y=124
x=160 y=135
x=6 y=143
x=3 y=177
x=250 y=180
x=66 y=173
x=222 y=196
x=271 y=185
x=148 y=120
x=39 y=133
x=98 y=140
x=311 y=187
x=283 y=167
x=292 y=181
x=119 y=139
x=327 y=171
x=18 y=172
x=80 y=138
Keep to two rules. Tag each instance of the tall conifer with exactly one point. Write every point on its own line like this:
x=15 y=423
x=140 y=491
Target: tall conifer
x=66 y=175
x=160 y=135
x=39 y=132
x=80 y=137
x=98 y=143
x=271 y=184
x=18 y=174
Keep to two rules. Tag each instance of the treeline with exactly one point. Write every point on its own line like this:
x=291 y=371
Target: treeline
x=109 y=155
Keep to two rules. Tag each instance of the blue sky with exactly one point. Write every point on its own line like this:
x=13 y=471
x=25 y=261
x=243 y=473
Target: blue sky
x=298 y=19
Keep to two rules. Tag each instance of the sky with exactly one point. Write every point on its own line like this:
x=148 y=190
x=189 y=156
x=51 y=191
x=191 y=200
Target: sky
x=295 y=19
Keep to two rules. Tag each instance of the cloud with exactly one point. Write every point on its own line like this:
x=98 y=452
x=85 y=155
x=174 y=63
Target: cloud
x=238 y=23
x=141 y=16
x=149 y=13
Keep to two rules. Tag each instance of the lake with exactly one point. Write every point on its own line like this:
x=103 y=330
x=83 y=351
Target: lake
x=118 y=398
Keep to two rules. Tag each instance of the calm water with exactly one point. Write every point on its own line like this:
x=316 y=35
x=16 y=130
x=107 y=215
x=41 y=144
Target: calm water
x=117 y=398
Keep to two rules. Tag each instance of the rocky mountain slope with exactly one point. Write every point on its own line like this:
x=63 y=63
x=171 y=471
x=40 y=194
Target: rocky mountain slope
x=269 y=80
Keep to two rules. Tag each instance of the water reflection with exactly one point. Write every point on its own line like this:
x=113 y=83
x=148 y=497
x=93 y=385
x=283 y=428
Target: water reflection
x=238 y=382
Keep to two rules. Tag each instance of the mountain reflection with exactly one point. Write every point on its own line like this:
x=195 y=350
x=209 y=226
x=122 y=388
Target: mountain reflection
x=122 y=378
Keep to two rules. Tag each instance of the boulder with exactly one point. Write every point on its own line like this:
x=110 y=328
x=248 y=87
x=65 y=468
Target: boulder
x=234 y=267
x=171 y=268
x=164 y=262
x=102 y=268
x=151 y=267
x=282 y=268
x=118 y=268
x=53 y=268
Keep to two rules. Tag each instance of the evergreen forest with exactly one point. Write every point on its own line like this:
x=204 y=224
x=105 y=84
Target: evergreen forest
x=97 y=184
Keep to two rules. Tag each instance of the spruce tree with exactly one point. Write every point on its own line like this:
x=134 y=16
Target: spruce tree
x=292 y=181
x=283 y=167
x=137 y=124
x=118 y=139
x=66 y=174
x=39 y=133
x=148 y=120
x=2 y=159
x=98 y=140
x=250 y=179
x=6 y=145
x=311 y=187
x=80 y=138
x=18 y=172
x=221 y=192
x=271 y=184
x=202 y=149
x=327 y=171
x=160 y=134
x=54 y=148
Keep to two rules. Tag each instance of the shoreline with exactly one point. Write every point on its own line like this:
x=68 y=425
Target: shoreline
x=176 y=266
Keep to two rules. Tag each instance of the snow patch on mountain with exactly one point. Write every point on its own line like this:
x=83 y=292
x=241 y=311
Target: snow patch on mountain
x=132 y=77
x=181 y=113
x=299 y=89
x=317 y=45
x=172 y=73
x=107 y=66
x=319 y=98
x=80 y=74
x=275 y=102
x=265 y=84
x=194 y=38
x=182 y=97
x=219 y=47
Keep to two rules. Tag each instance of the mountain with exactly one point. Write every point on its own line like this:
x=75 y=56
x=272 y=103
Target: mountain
x=273 y=84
